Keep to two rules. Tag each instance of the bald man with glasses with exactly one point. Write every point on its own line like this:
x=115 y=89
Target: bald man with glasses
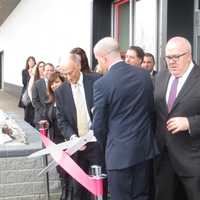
x=177 y=105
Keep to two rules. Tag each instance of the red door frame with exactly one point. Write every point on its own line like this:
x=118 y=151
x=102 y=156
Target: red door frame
x=117 y=5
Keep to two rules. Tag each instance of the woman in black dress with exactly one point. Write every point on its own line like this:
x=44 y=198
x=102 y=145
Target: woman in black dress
x=28 y=109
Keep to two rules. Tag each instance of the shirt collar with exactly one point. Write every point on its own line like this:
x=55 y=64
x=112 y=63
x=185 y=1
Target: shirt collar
x=80 y=81
x=114 y=64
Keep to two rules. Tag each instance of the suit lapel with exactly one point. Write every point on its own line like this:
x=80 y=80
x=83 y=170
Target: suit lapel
x=189 y=83
x=163 y=89
x=88 y=92
x=72 y=106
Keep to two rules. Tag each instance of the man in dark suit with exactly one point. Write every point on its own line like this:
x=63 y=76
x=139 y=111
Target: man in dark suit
x=177 y=103
x=39 y=94
x=74 y=101
x=123 y=120
x=148 y=63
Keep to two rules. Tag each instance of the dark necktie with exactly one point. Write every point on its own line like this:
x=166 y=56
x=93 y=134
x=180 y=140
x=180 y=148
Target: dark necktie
x=172 y=94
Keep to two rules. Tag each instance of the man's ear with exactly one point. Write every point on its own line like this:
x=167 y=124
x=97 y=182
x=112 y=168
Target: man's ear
x=103 y=59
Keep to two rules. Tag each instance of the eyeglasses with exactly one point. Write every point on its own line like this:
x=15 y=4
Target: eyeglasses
x=175 y=57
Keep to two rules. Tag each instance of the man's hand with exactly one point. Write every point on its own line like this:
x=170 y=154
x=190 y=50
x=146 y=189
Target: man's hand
x=177 y=124
x=83 y=148
x=74 y=138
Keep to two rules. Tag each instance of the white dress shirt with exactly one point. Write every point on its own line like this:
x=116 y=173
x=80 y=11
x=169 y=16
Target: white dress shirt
x=181 y=81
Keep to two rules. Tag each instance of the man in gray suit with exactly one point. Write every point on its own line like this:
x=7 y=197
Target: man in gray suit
x=39 y=94
x=177 y=103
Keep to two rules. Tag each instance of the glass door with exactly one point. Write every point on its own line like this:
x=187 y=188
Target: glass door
x=196 y=44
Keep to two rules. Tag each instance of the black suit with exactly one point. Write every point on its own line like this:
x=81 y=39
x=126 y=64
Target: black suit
x=180 y=153
x=67 y=122
x=123 y=119
x=39 y=99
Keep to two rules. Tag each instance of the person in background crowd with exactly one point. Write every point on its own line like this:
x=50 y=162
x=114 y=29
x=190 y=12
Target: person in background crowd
x=177 y=106
x=36 y=74
x=85 y=68
x=28 y=109
x=149 y=63
x=40 y=69
x=74 y=101
x=123 y=121
x=55 y=81
x=134 y=55
x=39 y=94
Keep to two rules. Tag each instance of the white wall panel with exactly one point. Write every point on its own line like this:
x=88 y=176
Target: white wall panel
x=45 y=29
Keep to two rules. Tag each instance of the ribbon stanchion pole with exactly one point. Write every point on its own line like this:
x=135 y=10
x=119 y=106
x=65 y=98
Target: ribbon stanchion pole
x=43 y=125
x=96 y=174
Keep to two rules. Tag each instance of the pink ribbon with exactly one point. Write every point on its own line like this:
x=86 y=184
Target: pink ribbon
x=92 y=184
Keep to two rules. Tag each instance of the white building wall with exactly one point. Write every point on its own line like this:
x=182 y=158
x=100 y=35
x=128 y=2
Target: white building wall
x=45 y=29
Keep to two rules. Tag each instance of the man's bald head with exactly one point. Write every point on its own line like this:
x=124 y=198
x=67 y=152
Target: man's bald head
x=179 y=43
x=107 y=45
x=106 y=52
x=70 y=66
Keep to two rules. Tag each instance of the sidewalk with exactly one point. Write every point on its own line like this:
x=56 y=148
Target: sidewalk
x=9 y=103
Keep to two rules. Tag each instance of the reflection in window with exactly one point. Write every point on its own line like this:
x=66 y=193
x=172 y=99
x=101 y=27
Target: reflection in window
x=145 y=25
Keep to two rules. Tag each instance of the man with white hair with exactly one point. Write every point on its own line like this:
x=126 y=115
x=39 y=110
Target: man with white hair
x=74 y=101
x=177 y=104
x=123 y=120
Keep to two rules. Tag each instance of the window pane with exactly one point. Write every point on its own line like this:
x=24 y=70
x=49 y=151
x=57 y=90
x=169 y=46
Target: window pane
x=198 y=50
x=145 y=27
x=124 y=26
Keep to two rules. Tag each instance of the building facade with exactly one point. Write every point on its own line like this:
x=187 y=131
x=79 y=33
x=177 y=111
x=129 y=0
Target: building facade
x=48 y=29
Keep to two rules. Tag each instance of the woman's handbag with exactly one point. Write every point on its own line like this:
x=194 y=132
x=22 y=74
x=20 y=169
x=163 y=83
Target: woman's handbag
x=25 y=98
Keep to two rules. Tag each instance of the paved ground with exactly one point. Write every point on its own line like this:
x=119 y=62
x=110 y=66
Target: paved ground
x=9 y=103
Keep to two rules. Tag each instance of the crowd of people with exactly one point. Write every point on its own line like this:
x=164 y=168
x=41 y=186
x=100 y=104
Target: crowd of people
x=145 y=123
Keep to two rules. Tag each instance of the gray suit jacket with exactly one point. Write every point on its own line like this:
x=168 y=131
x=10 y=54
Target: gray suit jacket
x=39 y=98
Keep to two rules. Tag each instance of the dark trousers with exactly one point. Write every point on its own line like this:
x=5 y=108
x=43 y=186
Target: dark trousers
x=92 y=155
x=29 y=114
x=131 y=183
x=65 y=186
x=171 y=186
